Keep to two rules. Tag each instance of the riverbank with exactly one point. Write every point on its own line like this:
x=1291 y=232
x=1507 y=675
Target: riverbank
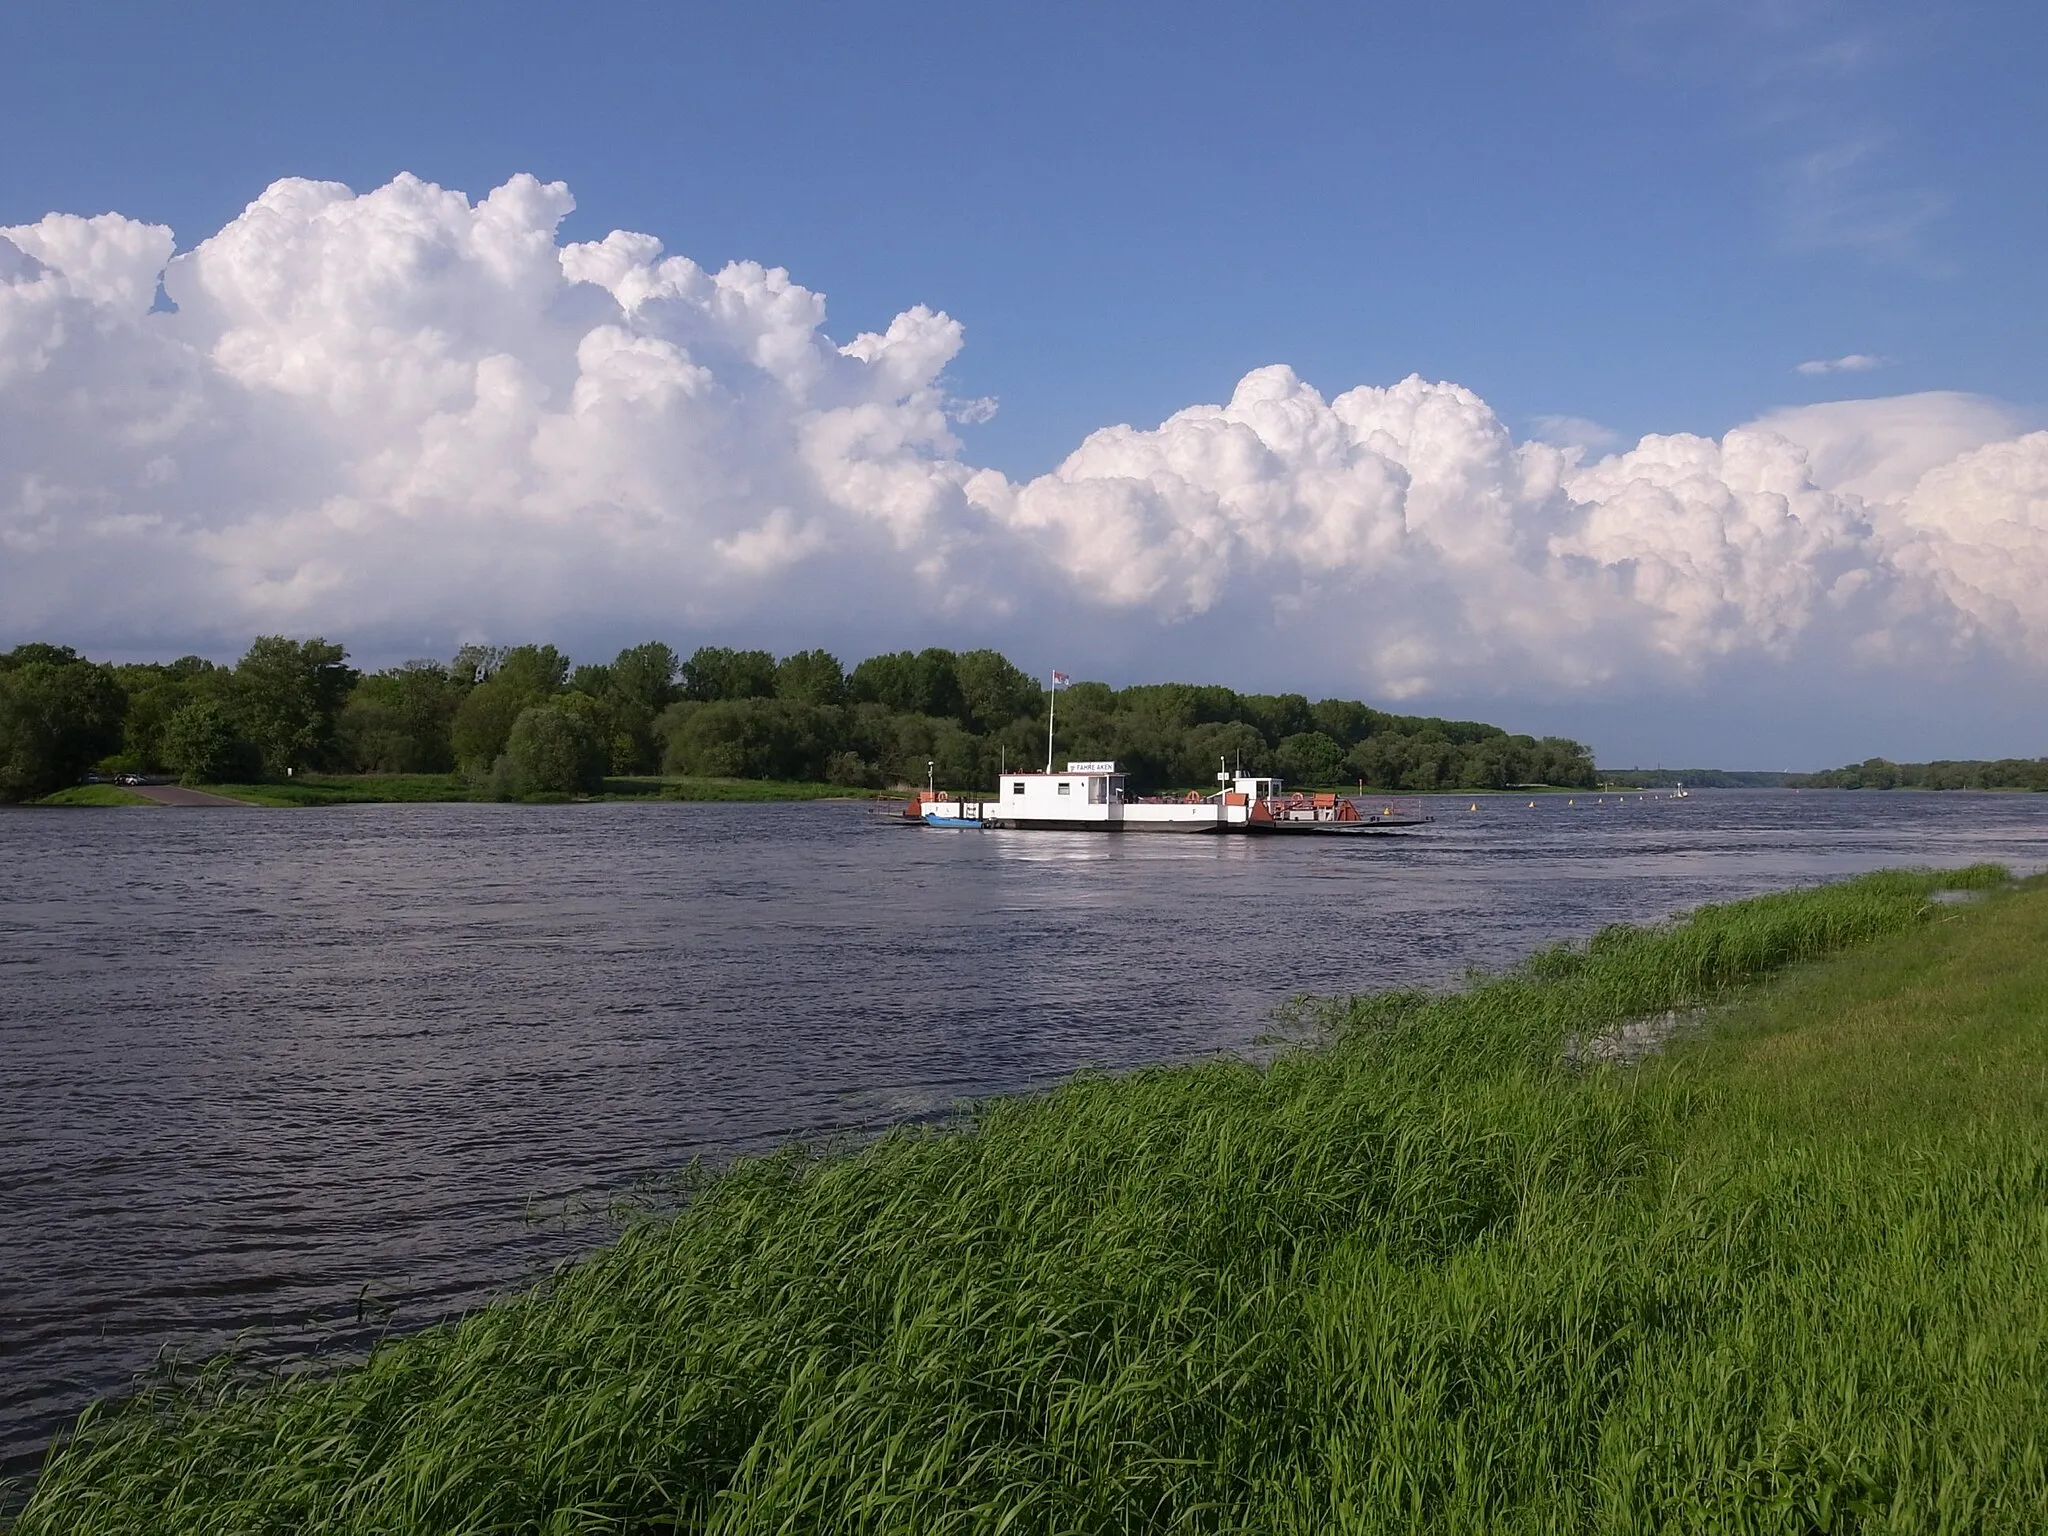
x=449 y=788
x=93 y=794
x=1786 y=1275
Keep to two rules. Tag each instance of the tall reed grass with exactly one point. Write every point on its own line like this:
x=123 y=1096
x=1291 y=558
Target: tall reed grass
x=1428 y=1275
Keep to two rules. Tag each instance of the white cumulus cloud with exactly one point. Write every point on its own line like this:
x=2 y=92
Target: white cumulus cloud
x=1576 y=432
x=405 y=418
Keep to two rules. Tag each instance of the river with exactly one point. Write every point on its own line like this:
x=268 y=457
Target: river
x=295 y=1076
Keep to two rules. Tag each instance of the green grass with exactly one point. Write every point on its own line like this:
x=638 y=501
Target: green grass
x=350 y=789
x=94 y=794
x=379 y=789
x=1426 y=1276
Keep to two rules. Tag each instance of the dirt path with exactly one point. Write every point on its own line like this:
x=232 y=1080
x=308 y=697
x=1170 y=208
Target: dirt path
x=174 y=794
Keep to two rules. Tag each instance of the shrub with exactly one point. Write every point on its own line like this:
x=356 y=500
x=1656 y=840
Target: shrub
x=848 y=768
x=553 y=750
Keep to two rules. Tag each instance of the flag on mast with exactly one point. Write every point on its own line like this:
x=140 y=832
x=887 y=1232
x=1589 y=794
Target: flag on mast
x=1052 y=704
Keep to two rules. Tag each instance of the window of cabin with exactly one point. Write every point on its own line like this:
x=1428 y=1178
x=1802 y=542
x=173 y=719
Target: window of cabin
x=1065 y=787
x=1098 y=791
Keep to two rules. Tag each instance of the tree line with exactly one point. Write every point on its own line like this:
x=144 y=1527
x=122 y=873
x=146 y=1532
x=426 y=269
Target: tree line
x=1878 y=773
x=523 y=720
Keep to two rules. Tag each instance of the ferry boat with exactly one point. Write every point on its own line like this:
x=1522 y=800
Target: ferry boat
x=1095 y=797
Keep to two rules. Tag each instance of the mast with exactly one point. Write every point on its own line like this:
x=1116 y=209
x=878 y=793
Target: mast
x=1052 y=694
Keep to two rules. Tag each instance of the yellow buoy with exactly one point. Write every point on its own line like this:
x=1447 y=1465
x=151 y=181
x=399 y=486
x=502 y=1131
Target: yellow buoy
x=1475 y=805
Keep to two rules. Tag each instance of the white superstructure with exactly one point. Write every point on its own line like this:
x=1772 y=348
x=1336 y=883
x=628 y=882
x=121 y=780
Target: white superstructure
x=1095 y=797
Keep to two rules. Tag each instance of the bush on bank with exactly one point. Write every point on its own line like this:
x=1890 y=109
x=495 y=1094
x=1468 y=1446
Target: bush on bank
x=1428 y=1275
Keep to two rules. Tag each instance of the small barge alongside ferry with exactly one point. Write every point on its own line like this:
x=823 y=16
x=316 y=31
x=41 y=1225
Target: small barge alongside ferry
x=1095 y=797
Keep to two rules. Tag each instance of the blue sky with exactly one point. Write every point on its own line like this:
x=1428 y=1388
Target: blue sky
x=1641 y=215
x=1604 y=220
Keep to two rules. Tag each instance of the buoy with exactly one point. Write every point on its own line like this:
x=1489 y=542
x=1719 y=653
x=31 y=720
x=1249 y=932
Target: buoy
x=1571 y=802
x=1475 y=805
x=1532 y=805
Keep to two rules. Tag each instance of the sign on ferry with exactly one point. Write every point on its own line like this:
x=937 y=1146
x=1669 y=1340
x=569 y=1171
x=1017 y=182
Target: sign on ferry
x=1091 y=767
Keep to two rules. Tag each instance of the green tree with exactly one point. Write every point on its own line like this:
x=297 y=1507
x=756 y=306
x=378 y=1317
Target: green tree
x=646 y=675
x=810 y=677
x=483 y=724
x=533 y=671
x=287 y=695
x=1227 y=746
x=637 y=686
x=713 y=672
x=753 y=739
x=474 y=663
x=1381 y=760
x=1346 y=721
x=554 y=749
x=202 y=746
x=910 y=682
x=156 y=691
x=993 y=692
x=59 y=714
x=402 y=720
x=1309 y=758
x=525 y=675
x=1277 y=716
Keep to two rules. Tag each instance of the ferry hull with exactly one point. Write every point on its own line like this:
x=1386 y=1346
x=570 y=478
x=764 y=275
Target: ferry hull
x=1039 y=824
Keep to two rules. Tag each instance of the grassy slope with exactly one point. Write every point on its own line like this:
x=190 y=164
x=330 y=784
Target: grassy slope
x=377 y=789
x=1791 y=1278
x=351 y=789
x=94 y=794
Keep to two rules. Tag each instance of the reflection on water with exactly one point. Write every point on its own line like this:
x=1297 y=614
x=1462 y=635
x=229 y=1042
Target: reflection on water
x=260 y=1066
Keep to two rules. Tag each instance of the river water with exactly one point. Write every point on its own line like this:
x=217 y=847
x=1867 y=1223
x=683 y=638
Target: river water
x=294 y=1076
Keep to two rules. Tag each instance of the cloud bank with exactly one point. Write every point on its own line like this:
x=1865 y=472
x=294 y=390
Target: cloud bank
x=407 y=419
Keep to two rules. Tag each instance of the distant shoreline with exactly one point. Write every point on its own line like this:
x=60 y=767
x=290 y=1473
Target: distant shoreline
x=311 y=790
x=315 y=790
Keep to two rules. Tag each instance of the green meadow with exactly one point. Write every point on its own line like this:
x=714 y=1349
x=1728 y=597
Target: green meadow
x=1447 y=1269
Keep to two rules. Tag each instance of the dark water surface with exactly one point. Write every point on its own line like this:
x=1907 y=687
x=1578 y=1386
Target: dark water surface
x=258 y=1066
